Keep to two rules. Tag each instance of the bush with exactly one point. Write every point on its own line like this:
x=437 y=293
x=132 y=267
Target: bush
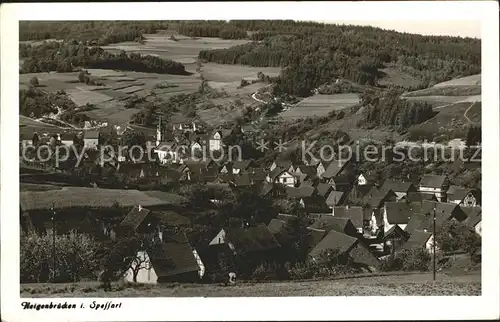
x=312 y=270
x=74 y=253
x=34 y=81
x=415 y=259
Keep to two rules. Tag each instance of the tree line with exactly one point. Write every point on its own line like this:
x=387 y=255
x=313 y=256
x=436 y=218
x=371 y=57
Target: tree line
x=67 y=56
x=314 y=55
x=387 y=108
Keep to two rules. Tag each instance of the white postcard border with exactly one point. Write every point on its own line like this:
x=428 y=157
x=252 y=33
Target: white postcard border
x=290 y=308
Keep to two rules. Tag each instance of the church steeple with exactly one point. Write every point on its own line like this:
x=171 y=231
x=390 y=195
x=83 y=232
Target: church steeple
x=159 y=133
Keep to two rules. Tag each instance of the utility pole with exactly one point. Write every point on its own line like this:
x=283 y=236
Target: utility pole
x=53 y=242
x=434 y=245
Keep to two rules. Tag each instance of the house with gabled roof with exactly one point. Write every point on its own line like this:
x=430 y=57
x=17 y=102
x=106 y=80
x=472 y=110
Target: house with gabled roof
x=400 y=188
x=254 y=239
x=432 y=184
x=167 y=151
x=396 y=213
x=419 y=221
x=314 y=204
x=245 y=180
x=357 y=215
x=345 y=247
x=335 y=168
x=66 y=138
x=473 y=220
x=395 y=238
x=420 y=239
x=324 y=189
x=300 y=192
x=215 y=140
x=376 y=199
x=307 y=171
x=238 y=167
x=321 y=167
x=464 y=196
x=329 y=222
x=91 y=139
x=173 y=260
x=336 y=198
x=415 y=196
x=280 y=175
x=218 y=261
x=340 y=183
x=283 y=164
x=141 y=220
x=444 y=211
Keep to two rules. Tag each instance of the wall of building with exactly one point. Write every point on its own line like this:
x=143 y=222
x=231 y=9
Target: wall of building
x=219 y=239
x=146 y=275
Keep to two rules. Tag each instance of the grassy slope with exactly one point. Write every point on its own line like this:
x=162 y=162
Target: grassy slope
x=420 y=284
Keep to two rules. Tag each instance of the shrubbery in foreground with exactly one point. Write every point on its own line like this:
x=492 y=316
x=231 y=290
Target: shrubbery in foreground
x=415 y=259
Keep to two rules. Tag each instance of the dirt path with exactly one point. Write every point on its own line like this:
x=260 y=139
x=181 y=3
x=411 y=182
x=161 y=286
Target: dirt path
x=467 y=110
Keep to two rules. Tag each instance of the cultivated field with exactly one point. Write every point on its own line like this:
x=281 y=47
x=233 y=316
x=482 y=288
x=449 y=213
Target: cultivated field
x=183 y=49
x=120 y=85
x=320 y=105
x=68 y=197
x=463 y=81
x=405 y=285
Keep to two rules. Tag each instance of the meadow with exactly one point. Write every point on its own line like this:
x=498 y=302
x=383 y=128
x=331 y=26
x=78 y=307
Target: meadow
x=117 y=86
x=320 y=105
x=401 y=285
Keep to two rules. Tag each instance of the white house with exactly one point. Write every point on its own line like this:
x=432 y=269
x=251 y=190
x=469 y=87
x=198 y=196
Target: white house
x=396 y=213
x=419 y=238
x=361 y=180
x=284 y=164
x=172 y=261
x=463 y=196
x=91 y=139
x=166 y=152
x=436 y=185
x=66 y=138
x=400 y=188
x=215 y=141
x=281 y=176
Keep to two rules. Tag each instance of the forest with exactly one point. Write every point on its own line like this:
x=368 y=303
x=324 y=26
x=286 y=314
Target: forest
x=311 y=54
x=386 y=108
x=357 y=54
x=67 y=56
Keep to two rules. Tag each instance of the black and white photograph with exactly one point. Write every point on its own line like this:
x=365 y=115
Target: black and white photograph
x=249 y=158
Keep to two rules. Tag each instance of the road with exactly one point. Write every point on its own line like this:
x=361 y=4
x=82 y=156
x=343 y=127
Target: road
x=467 y=110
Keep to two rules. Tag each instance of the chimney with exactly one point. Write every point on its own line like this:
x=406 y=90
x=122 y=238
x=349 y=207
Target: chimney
x=346 y=206
x=140 y=208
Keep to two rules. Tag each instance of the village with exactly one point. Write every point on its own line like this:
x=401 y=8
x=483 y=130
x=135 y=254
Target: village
x=332 y=211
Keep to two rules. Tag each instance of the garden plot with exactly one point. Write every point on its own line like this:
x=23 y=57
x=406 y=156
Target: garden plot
x=92 y=88
x=320 y=105
x=91 y=97
x=131 y=89
x=122 y=86
x=105 y=73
